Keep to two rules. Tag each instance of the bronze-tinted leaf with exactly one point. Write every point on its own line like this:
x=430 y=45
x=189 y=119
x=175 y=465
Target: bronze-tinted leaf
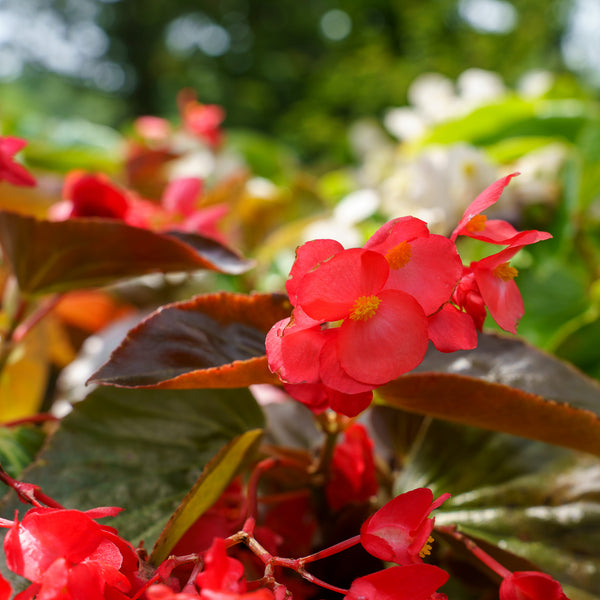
x=214 y=340
x=505 y=385
x=51 y=256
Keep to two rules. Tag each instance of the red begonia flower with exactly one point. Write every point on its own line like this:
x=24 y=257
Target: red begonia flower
x=531 y=585
x=181 y=195
x=352 y=476
x=202 y=120
x=155 y=129
x=474 y=224
x=399 y=531
x=90 y=195
x=10 y=170
x=61 y=549
x=383 y=332
x=424 y=265
x=411 y=582
x=223 y=577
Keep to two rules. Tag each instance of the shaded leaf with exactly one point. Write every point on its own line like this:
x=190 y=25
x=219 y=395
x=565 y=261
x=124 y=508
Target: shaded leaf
x=214 y=340
x=51 y=256
x=141 y=450
x=18 y=447
x=505 y=385
x=216 y=476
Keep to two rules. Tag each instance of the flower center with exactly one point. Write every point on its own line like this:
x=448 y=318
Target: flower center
x=399 y=256
x=426 y=549
x=364 y=308
x=476 y=224
x=505 y=272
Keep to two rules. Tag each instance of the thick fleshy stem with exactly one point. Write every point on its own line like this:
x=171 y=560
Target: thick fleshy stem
x=483 y=556
x=331 y=425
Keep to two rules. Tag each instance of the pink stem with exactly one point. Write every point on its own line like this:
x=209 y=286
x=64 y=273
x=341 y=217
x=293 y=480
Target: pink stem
x=483 y=556
x=335 y=549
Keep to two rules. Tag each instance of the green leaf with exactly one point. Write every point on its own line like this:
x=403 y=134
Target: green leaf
x=217 y=474
x=18 y=447
x=140 y=450
x=529 y=502
x=51 y=256
x=504 y=385
x=214 y=340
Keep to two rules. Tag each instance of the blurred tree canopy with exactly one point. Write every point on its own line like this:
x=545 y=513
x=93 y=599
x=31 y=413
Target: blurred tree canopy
x=299 y=70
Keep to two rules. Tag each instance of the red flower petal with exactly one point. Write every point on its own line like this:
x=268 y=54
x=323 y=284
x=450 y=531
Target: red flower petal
x=488 y=197
x=331 y=372
x=451 y=329
x=392 y=342
x=530 y=585
x=308 y=257
x=412 y=582
x=329 y=291
x=431 y=274
x=396 y=231
x=349 y=405
x=502 y=299
x=180 y=195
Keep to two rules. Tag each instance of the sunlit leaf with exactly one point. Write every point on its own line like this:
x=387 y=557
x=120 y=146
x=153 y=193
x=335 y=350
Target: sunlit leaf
x=505 y=385
x=217 y=474
x=215 y=340
x=60 y=256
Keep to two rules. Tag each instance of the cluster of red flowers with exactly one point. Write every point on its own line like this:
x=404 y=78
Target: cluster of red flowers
x=67 y=555
x=364 y=316
x=94 y=195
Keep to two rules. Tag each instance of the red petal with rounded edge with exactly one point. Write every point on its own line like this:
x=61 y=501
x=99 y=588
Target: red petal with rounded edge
x=395 y=231
x=328 y=293
x=331 y=372
x=94 y=196
x=349 y=405
x=308 y=256
x=389 y=344
x=180 y=195
x=502 y=299
x=530 y=585
x=451 y=329
x=312 y=395
x=488 y=197
x=411 y=582
x=45 y=535
x=293 y=348
x=11 y=145
x=431 y=274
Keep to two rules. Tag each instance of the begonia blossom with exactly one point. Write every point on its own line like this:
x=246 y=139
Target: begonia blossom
x=67 y=554
x=351 y=288
x=400 y=531
x=202 y=120
x=410 y=582
x=223 y=577
x=352 y=477
x=10 y=170
x=530 y=585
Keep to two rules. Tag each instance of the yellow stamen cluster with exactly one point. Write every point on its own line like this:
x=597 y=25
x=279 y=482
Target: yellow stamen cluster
x=426 y=549
x=505 y=272
x=476 y=224
x=399 y=256
x=364 y=308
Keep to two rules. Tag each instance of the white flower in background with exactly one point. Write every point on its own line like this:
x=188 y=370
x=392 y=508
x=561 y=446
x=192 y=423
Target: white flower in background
x=437 y=185
x=434 y=98
x=348 y=213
